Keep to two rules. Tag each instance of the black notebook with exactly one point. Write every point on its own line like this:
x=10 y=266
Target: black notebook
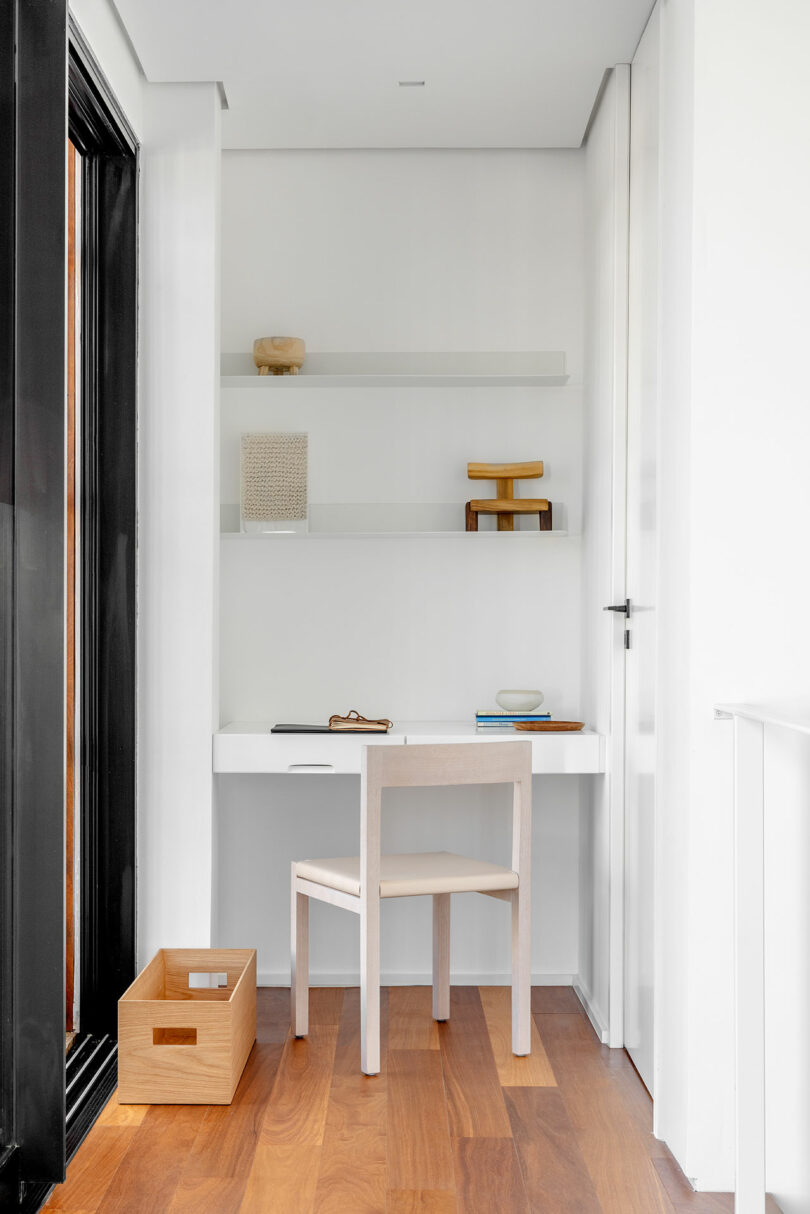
x=301 y=729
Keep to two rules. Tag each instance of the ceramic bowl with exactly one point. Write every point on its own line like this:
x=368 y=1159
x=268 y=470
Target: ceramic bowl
x=519 y=701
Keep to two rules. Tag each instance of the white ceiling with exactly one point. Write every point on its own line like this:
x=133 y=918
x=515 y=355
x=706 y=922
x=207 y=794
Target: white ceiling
x=324 y=73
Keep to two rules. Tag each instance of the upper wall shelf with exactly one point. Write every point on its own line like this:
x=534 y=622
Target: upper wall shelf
x=430 y=369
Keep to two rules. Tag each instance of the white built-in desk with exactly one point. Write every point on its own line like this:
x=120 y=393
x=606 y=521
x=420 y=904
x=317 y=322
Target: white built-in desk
x=249 y=747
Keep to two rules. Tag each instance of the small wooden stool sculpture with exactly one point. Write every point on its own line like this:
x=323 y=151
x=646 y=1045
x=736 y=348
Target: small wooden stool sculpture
x=506 y=505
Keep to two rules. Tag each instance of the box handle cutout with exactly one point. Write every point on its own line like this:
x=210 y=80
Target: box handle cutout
x=174 y=1036
x=198 y=981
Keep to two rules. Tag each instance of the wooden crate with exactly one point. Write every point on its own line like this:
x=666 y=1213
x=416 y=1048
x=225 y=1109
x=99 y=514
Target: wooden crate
x=187 y=1045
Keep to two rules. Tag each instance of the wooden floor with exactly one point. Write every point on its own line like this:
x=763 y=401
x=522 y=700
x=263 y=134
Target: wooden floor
x=453 y=1123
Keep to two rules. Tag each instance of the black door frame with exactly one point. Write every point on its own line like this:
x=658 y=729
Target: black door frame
x=7 y=260
x=33 y=135
x=33 y=188
x=32 y=403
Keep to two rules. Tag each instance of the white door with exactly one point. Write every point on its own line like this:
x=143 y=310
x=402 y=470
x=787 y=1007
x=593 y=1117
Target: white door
x=642 y=482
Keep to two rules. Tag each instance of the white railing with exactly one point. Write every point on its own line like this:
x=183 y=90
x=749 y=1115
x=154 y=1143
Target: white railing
x=749 y=937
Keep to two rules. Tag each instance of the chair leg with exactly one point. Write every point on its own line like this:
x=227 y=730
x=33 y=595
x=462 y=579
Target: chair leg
x=521 y=975
x=299 y=959
x=370 y=987
x=441 y=956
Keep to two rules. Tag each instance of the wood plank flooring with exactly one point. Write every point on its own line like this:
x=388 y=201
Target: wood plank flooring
x=454 y=1124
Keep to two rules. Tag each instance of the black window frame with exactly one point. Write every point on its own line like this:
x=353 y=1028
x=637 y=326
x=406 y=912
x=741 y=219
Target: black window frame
x=108 y=539
x=49 y=85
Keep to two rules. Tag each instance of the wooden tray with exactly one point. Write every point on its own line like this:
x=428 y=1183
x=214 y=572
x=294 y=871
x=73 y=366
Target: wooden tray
x=550 y=726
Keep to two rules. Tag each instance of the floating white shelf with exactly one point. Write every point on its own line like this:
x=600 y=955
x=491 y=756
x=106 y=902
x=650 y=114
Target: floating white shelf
x=393 y=381
x=387 y=520
x=473 y=537
x=543 y=369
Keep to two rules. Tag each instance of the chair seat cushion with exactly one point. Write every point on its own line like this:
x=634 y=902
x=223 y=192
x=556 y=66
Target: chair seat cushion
x=405 y=875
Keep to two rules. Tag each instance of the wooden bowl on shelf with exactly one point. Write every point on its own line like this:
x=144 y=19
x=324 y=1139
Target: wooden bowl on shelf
x=550 y=726
x=278 y=355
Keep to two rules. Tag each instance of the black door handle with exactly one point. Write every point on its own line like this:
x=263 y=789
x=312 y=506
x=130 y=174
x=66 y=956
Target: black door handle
x=624 y=608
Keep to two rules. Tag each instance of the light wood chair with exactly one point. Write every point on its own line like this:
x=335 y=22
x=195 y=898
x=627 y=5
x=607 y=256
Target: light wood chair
x=358 y=883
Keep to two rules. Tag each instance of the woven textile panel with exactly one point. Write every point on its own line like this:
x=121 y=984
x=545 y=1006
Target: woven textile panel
x=274 y=477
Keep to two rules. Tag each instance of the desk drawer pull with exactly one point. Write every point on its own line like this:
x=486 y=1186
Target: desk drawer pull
x=317 y=769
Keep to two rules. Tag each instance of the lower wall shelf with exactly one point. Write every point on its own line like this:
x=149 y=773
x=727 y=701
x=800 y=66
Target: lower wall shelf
x=392 y=520
x=473 y=537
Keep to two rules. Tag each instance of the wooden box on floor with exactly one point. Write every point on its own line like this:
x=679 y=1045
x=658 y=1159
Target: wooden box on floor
x=187 y=1044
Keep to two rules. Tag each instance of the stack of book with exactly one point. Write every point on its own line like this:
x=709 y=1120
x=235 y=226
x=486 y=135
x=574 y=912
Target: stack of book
x=501 y=718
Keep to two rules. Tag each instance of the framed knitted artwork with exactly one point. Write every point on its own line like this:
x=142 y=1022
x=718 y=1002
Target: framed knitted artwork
x=273 y=494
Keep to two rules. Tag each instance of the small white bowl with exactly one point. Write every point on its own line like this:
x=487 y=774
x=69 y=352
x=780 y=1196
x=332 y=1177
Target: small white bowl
x=519 y=701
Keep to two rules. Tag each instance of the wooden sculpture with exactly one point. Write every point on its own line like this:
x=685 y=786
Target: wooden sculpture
x=506 y=505
x=278 y=355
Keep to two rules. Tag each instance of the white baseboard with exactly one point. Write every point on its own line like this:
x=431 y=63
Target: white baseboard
x=421 y=979
x=265 y=978
x=584 y=996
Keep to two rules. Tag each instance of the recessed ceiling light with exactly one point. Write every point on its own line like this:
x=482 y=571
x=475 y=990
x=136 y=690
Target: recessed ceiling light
x=411 y=84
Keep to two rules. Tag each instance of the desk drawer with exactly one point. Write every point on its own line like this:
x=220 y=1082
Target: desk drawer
x=301 y=753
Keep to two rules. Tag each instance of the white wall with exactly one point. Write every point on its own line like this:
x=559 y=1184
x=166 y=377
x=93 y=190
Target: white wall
x=643 y=513
x=787 y=944
x=179 y=515
x=386 y=251
x=749 y=416
x=265 y=821
x=735 y=263
x=607 y=193
x=404 y=250
x=676 y=105
x=178 y=544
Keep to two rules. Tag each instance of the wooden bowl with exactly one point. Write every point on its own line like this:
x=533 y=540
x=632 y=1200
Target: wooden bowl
x=550 y=726
x=275 y=355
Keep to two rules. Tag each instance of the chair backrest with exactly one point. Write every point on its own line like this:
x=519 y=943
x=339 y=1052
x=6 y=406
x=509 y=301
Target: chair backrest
x=447 y=763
